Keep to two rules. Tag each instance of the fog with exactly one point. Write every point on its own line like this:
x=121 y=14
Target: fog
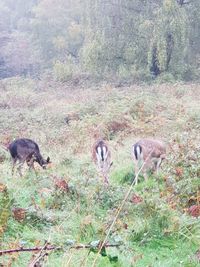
x=128 y=40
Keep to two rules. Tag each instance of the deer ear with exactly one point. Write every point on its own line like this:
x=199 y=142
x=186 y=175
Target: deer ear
x=48 y=160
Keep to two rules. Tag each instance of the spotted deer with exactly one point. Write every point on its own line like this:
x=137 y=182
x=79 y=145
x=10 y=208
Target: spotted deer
x=25 y=150
x=102 y=157
x=149 y=152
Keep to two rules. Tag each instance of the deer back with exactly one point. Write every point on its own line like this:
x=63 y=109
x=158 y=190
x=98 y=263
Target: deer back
x=152 y=148
x=25 y=149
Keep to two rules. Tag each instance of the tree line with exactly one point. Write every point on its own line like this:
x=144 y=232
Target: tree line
x=125 y=39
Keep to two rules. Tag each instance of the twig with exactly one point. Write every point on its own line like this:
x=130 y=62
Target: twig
x=2 y=252
x=51 y=247
x=39 y=256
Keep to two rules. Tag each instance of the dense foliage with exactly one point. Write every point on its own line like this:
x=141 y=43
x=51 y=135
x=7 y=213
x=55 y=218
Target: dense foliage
x=137 y=40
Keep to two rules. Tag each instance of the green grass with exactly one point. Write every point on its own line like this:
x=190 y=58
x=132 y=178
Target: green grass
x=155 y=232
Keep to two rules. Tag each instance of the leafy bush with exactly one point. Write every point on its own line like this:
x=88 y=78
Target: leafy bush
x=93 y=55
x=63 y=71
x=165 y=78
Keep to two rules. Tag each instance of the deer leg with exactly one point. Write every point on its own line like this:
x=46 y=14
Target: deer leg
x=20 y=168
x=148 y=168
x=101 y=171
x=106 y=178
x=30 y=163
x=157 y=165
x=103 y=174
x=14 y=160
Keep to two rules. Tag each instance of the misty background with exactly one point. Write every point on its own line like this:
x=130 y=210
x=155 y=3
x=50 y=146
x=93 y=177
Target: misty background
x=113 y=39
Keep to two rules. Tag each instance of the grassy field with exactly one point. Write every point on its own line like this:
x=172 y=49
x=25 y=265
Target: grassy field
x=158 y=225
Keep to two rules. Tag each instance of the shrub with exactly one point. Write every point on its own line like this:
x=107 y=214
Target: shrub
x=165 y=77
x=63 y=71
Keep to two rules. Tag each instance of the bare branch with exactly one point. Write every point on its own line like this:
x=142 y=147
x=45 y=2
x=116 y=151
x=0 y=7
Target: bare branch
x=51 y=247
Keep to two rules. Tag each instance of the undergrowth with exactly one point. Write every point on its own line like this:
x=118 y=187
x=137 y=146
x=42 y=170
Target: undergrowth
x=159 y=223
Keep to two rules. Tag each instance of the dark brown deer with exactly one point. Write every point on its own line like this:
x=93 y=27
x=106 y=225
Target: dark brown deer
x=25 y=150
x=149 y=152
x=102 y=157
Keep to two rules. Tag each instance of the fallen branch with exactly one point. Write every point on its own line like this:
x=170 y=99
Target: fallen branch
x=51 y=247
x=2 y=252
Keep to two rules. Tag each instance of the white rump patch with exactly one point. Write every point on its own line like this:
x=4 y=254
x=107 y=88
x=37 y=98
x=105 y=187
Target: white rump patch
x=104 y=152
x=99 y=150
x=139 y=154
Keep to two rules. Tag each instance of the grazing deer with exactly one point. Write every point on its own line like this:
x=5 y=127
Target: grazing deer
x=102 y=157
x=26 y=150
x=149 y=152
